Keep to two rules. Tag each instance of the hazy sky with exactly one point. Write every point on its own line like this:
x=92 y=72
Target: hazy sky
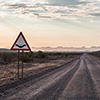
x=50 y=22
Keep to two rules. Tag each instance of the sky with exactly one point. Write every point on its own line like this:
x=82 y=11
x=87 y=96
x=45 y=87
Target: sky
x=67 y=23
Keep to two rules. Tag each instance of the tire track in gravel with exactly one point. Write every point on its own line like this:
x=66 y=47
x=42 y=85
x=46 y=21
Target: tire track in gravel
x=95 y=59
x=94 y=69
x=45 y=84
x=53 y=92
x=81 y=87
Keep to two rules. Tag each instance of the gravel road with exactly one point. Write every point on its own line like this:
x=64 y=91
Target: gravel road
x=78 y=80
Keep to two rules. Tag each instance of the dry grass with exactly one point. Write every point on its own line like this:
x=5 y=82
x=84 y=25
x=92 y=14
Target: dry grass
x=8 y=73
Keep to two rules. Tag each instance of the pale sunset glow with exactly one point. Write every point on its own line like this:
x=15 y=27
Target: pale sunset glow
x=68 y=23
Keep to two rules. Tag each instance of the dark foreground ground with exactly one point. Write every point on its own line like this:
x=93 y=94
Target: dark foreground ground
x=77 y=80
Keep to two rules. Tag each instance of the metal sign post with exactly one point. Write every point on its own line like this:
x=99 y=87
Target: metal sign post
x=20 y=44
x=22 y=63
x=18 y=63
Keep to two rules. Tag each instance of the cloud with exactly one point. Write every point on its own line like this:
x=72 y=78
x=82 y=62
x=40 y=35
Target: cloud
x=52 y=9
x=18 y=6
x=66 y=2
x=96 y=14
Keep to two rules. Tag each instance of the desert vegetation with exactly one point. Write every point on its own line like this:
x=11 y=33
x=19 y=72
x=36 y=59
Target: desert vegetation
x=34 y=63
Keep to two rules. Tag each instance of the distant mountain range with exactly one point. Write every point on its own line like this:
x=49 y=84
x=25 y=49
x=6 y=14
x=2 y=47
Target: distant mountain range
x=4 y=50
x=67 y=49
x=60 y=49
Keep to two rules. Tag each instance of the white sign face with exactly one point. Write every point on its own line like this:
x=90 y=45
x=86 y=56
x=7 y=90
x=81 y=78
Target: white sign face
x=20 y=43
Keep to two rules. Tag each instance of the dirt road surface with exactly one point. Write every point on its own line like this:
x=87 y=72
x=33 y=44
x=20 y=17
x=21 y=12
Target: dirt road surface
x=78 y=80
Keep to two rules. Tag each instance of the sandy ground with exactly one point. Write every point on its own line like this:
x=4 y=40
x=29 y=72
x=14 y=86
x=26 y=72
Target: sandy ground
x=77 y=80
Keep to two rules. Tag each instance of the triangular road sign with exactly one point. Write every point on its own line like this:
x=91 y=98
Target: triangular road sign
x=21 y=43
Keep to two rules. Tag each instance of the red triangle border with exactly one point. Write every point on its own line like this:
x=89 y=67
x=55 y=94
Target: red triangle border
x=21 y=34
